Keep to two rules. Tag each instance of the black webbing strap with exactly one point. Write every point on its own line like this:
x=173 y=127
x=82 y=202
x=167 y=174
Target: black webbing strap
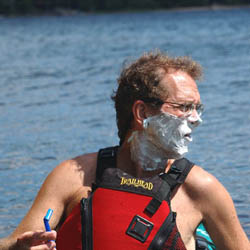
x=175 y=176
x=178 y=172
x=156 y=201
x=106 y=159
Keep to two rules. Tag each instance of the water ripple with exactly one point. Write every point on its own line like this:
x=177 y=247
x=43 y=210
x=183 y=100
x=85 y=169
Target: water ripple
x=57 y=75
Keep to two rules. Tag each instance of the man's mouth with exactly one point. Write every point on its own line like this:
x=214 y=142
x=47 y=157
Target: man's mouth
x=188 y=137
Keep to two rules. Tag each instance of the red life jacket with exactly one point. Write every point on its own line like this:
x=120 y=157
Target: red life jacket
x=124 y=212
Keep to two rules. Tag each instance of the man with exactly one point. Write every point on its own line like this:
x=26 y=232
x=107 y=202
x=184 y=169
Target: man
x=157 y=105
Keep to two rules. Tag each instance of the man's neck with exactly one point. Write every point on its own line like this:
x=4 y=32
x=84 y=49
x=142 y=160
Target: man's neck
x=125 y=163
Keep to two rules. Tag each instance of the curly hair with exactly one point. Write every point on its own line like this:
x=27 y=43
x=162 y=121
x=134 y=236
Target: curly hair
x=140 y=79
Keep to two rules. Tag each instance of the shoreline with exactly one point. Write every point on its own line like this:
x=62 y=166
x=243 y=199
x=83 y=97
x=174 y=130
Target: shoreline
x=214 y=7
x=73 y=12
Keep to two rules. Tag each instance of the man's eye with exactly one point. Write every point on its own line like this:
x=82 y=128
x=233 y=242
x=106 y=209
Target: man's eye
x=184 y=107
x=188 y=107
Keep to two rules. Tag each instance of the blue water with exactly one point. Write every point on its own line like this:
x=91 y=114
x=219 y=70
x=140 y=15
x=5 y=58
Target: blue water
x=57 y=74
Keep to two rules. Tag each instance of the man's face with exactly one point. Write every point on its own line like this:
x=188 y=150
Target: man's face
x=170 y=130
x=166 y=134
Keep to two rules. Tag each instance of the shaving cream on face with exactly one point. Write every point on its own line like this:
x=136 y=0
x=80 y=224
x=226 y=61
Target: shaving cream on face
x=164 y=137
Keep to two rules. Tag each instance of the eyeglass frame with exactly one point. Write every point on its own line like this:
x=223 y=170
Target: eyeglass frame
x=193 y=106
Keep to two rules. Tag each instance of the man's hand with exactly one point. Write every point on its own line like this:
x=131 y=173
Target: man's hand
x=38 y=240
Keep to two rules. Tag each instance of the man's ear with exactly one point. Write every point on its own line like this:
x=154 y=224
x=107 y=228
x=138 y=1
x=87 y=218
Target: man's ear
x=139 y=110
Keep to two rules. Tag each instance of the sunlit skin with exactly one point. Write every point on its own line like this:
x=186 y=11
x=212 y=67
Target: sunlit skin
x=181 y=89
x=200 y=198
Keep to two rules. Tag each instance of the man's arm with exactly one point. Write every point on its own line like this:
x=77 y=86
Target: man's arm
x=55 y=193
x=219 y=214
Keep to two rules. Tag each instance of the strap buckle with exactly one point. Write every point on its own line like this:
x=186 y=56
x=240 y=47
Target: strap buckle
x=140 y=228
x=107 y=152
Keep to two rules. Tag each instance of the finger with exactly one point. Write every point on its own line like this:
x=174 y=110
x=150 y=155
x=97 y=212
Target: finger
x=48 y=238
x=36 y=238
x=52 y=235
x=46 y=246
x=45 y=236
x=26 y=239
x=52 y=245
x=29 y=234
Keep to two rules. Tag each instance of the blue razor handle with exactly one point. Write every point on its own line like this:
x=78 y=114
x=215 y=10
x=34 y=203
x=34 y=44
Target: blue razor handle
x=46 y=220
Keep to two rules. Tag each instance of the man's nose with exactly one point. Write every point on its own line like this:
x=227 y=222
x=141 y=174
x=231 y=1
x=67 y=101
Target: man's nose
x=194 y=118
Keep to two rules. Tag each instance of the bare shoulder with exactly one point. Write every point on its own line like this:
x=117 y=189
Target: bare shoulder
x=204 y=189
x=217 y=209
x=77 y=171
x=72 y=179
x=201 y=183
x=74 y=174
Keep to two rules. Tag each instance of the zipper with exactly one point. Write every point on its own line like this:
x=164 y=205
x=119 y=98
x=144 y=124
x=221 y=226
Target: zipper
x=86 y=217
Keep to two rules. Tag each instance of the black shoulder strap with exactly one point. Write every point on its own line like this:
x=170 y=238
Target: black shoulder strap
x=106 y=159
x=175 y=176
x=178 y=172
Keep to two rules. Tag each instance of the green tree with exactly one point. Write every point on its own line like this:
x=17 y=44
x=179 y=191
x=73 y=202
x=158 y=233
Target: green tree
x=27 y=6
x=87 y=5
x=7 y=6
x=24 y=6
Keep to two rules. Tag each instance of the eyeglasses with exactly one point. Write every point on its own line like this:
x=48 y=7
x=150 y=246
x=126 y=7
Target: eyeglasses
x=187 y=108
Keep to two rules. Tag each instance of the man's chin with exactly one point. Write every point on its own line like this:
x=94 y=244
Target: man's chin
x=177 y=153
